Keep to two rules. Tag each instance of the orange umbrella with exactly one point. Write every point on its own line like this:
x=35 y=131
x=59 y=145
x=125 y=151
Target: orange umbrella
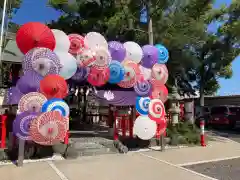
x=54 y=86
x=34 y=34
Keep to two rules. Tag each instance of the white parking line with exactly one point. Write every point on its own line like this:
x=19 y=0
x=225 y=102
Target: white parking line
x=208 y=161
x=58 y=172
x=179 y=167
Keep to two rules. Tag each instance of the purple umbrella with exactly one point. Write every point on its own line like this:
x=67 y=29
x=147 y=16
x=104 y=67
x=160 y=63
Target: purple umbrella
x=143 y=88
x=29 y=82
x=22 y=123
x=117 y=50
x=150 y=56
x=12 y=96
x=81 y=74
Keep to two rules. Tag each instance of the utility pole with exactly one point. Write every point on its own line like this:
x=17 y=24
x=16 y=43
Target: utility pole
x=160 y=141
x=2 y=27
x=150 y=25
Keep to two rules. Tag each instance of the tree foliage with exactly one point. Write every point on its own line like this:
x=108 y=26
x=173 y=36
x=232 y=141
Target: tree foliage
x=178 y=24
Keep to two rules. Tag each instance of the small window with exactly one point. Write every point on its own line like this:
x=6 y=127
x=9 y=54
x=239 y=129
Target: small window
x=219 y=110
x=235 y=110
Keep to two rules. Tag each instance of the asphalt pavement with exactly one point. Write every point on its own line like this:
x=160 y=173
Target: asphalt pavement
x=221 y=170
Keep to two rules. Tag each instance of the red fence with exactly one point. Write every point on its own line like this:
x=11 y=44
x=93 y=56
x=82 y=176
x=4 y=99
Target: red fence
x=3 y=130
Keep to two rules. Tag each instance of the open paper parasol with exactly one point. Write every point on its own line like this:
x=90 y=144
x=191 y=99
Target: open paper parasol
x=142 y=105
x=54 y=86
x=98 y=77
x=62 y=40
x=49 y=128
x=77 y=44
x=32 y=102
x=116 y=72
x=161 y=126
x=160 y=73
x=86 y=58
x=145 y=72
x=156 y=110
x=22 y=123
x=133 y=51
x=29 y=82
x=56 y=104
x=131 y=75
x=159 y=90
x=163 y=54
x=34 y=34
x=144 y=128
x=143 y=88
x=94 y=40
x=69 y=64
x=42 y=60
x=150 y=56
x=102 y=59
x=117 y=50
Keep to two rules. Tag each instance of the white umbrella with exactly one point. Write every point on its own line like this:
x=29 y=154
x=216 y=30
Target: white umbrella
x=62 y=41
x=144 y=127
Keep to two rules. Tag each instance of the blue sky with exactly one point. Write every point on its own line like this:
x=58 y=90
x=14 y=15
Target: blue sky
x=36 y=10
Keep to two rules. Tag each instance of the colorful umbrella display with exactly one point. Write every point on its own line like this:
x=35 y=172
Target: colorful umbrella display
x=81 y=74
x=160 y=73
x=62 y=41
x=32 y=102
x=52 y=57
x=142 y=105
x=54 y=86
x=76 y=44
x=49 y=128
x=34 y=34
x=117 y=50
x=156 y=110
x=86 y=58
x=102 y=59
x=150 y=56
x=42 y=60
x=143 y=88
x=163 y=54
x=94 y=40
x=98 y=77
x=29 y=82
x=116 y=72
x=69 y=64
x=144 y=128
x=133 y=51
x=22 y=123
x=56 y=105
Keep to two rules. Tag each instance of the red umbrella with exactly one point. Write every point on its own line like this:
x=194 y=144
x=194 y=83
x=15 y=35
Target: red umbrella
x=98 y=77
x=156 y=110
x=159 y=90
x=34 y=34
x=54 y=86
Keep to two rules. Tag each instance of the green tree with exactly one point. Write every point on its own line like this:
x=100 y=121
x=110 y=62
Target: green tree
x=179 y=25
x=219 y=50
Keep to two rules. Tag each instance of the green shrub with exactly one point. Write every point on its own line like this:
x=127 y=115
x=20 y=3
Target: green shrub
x=183 y=133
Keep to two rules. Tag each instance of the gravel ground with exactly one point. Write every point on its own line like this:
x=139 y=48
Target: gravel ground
x=222 y=170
